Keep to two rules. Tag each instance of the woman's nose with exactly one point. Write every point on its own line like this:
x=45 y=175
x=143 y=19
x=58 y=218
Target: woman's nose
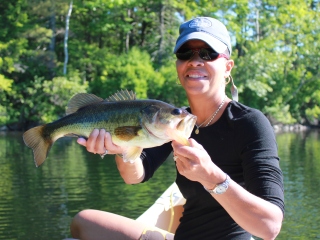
x=195 y=60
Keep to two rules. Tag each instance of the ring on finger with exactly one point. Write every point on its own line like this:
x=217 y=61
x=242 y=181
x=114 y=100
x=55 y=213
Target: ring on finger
x=103 y=154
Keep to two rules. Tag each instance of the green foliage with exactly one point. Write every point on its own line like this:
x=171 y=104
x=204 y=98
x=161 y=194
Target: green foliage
x=122 y=44
x=43 y=100
x=58 y=92
x=277 y=60
x=5 y=87
x=171 y=90
x=5 y=84
x=134 y=71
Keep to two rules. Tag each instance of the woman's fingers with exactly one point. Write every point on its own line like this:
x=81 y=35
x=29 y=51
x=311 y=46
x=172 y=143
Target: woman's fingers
x=95 y=142
x=99 y=147
x=100 y=142
x=192 y=161
x=108 y=144
x=186 y=167
x=192 y=152
x=91 y=142
x=82 y=141
x=195 y=144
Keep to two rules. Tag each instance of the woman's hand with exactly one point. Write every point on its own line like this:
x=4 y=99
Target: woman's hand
x=100 y=142
x=194 y=163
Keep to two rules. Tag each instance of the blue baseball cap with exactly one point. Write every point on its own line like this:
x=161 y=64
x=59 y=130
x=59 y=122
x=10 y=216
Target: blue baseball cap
x=206 y=29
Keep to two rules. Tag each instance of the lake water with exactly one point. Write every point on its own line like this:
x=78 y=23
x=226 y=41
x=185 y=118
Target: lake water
x=39 y=203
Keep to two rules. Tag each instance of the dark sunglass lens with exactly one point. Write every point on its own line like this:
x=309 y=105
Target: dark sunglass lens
x=213 y=55
x=208 y=54
x=184 y=54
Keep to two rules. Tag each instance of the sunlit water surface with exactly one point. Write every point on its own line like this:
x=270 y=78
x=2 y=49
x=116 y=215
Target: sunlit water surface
x=39 y=203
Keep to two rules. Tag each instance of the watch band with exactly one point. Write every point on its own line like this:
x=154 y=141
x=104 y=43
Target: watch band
x=221 y=187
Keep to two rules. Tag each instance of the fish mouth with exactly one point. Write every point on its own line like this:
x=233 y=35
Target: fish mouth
x=184 y=126
x=187 y=124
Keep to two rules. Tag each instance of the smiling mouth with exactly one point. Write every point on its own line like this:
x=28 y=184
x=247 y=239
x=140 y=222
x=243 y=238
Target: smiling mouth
x=195 y=76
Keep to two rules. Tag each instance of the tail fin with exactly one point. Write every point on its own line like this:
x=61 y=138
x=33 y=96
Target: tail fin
x=34 y=139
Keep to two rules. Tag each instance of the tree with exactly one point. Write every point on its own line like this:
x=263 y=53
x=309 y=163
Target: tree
x=128 y=44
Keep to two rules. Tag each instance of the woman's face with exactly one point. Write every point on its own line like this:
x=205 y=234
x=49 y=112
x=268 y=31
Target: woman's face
x=199 y=76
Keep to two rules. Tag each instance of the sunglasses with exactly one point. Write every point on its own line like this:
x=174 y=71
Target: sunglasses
x=206 y=54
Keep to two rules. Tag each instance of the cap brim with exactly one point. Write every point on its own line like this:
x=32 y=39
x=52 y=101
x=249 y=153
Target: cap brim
x=214 y=43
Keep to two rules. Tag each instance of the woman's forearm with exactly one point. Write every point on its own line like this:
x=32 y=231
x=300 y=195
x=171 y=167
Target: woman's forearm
x=132 y=173
x=256 y=215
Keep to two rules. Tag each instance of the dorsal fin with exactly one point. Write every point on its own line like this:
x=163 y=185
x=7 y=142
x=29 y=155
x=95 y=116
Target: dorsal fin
x=122 y=96
x=81 y=100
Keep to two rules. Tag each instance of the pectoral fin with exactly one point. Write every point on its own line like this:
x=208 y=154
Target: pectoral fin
x=131 y=154
x=127 y=133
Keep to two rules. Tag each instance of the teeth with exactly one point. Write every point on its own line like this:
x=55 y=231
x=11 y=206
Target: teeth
x=195 y=76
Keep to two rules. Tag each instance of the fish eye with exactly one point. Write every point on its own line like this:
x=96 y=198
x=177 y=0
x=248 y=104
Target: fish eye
x=176 y=111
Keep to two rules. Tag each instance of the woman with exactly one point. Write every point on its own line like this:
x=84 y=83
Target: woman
x=229 y=174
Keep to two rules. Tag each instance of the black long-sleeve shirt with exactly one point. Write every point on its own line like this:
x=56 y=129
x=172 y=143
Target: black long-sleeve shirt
x=242 y=143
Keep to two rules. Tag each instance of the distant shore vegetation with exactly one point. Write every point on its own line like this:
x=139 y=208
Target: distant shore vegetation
x=51 y=50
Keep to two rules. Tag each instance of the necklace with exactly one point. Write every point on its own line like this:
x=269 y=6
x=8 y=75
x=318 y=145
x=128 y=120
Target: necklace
x=211 y=117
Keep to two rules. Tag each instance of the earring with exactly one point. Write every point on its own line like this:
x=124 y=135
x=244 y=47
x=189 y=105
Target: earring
x=228 y=80
x=234 y=89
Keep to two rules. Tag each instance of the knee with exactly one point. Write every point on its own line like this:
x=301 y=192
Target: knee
x=78 y=222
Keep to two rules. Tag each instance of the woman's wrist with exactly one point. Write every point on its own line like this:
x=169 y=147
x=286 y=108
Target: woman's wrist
x=216 y=178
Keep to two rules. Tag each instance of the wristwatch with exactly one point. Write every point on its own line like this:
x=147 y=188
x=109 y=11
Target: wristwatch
x=221 y=187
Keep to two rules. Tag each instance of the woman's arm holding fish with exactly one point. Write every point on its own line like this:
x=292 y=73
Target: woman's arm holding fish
x=132 y=173
x=99 y=141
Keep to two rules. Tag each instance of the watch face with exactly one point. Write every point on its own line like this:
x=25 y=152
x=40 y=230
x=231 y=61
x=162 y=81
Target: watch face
x=220 y=189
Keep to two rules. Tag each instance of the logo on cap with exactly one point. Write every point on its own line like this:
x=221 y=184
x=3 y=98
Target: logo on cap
x=200 y=22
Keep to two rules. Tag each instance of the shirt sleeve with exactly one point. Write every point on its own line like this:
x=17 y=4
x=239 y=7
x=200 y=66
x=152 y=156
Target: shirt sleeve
x=259 y=156
x=152 y=158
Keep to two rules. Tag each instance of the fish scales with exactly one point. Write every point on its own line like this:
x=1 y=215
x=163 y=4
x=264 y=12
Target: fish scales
x=133 y=124
x=107 y=115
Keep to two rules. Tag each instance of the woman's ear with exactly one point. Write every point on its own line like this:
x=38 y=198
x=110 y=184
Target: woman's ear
x=229 y=66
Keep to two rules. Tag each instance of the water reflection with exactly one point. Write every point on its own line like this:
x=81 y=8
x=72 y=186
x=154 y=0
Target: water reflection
x=39 y=203
x=300 y=163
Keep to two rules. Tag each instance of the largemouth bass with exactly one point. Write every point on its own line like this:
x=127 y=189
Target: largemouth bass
x=133 y=124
